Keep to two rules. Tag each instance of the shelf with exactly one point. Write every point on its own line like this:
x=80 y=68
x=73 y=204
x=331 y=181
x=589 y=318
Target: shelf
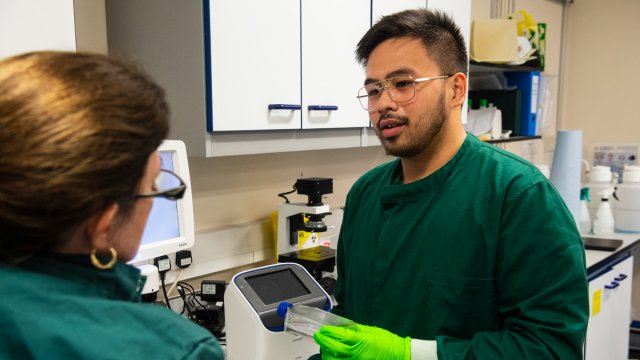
x=476 y=67
x=513 y=139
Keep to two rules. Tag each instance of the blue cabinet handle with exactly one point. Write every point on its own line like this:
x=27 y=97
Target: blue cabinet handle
x=620 y=277
x=613 y=285
x=284 y=107
x=322 y=107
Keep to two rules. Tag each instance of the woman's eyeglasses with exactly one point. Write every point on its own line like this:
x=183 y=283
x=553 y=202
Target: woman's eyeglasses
x=167 y=185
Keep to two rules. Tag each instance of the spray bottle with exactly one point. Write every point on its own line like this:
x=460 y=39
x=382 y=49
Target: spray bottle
x=603 y=222
x=585 y=219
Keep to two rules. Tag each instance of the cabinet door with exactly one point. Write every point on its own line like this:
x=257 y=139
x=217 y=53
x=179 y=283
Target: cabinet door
x=621 y=304
x=600 y=319
x=331 y=76
x=609 y=314
x=254 y=63
x=386 y=7
x=30 y=25
x=460 y=10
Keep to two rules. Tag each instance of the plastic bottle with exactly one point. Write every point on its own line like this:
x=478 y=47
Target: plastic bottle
x=585 y=219
x=496 y=123
x=627 y=208
x=603 y=223
x=600 y=178
x=305 y=320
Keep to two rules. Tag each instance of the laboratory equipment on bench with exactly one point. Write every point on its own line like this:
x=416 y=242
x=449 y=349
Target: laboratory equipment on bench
x=254 y=329
x=627 y=209
x=300 y=226
x=151 y=286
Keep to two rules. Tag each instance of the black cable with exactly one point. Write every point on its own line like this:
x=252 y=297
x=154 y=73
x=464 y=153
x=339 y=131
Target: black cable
x=282 y=195
x=187 y=299
x=191 y=291
x=164 y=291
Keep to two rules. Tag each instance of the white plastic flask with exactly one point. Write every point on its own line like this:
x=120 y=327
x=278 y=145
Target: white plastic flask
x=305 y=320
x=585 y=219
x=603 y=222
x=627 y=208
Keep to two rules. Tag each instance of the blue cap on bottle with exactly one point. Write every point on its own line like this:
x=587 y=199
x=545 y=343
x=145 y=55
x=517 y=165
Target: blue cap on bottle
x=282 y=309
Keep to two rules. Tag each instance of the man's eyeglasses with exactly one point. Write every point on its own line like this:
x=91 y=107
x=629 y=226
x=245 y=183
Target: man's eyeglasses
x=400 y=89
x=167 y=185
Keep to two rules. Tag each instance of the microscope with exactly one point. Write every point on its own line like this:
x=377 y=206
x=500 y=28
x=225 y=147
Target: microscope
x=299 y=229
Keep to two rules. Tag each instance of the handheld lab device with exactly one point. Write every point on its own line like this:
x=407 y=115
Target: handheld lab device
x=254 y=329
x=170 y=226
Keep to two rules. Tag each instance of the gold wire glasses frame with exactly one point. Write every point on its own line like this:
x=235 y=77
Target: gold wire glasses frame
x=167 y=185
x=400 y=89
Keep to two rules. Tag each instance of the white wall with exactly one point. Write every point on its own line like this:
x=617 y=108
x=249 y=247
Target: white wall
x=601 y=88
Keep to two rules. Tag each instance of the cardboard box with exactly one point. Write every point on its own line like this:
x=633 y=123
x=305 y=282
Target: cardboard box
x=494 y=40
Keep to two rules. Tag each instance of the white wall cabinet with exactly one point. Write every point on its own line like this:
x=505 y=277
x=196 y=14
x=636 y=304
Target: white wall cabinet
x=331 y=76
x=460 y=11
x=31 y=25
x=254 y=59
x=299 y=71
x=609 y=313
x=386 y=7
x=223 y=63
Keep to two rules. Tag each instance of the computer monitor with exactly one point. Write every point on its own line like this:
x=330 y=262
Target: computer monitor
x=170 y=226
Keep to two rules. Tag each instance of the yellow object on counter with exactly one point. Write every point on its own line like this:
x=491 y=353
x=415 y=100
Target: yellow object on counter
x=597 y=301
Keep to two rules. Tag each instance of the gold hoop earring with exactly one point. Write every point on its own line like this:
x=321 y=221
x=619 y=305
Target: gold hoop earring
x=101 y=266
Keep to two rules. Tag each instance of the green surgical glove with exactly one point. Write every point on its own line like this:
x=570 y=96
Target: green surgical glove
x=363 y=343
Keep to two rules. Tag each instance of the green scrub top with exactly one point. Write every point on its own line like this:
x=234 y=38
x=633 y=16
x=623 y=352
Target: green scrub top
x=63 y=308
x=482 y=256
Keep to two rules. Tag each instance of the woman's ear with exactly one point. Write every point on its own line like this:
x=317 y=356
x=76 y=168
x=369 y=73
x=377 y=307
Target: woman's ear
x=98 y=229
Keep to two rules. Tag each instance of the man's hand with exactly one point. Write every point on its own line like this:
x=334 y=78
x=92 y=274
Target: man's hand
x=363 y=342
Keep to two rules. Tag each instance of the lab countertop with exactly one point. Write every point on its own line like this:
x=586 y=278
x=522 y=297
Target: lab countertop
x=598 y=260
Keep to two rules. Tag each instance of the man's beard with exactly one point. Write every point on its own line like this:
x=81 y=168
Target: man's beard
x=428 y=126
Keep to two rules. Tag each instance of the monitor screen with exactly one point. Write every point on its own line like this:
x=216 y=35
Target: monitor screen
x=163 y=220
x=277 y=286
x=170 y=225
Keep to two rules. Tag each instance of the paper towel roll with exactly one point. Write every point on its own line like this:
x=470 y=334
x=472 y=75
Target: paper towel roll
x=566 y=168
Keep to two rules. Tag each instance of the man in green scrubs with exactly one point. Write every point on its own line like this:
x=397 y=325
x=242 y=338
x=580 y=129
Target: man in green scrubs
x=456 y=249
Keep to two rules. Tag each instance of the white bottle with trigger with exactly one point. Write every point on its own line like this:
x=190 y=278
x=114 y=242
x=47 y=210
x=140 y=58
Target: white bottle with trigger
x=603 y=222
x=600 y=178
